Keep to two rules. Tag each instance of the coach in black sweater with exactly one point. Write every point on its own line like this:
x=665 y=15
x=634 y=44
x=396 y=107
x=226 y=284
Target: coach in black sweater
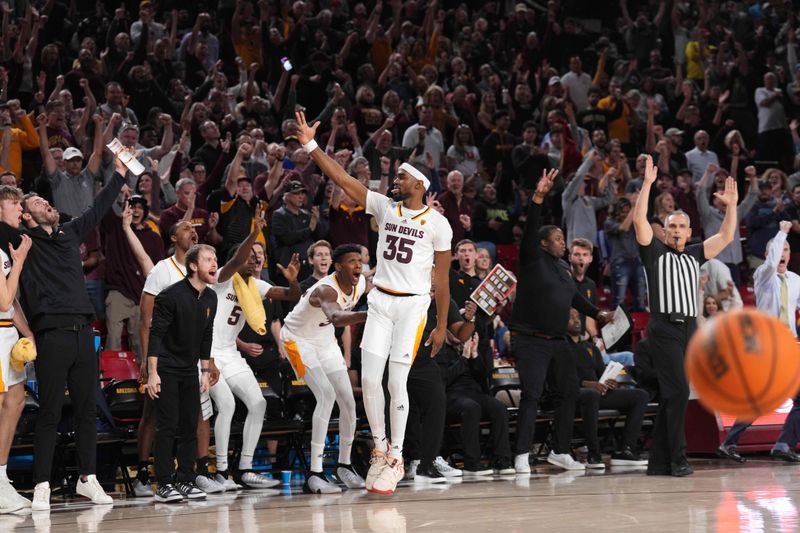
x=60 y=313
x=545 y=295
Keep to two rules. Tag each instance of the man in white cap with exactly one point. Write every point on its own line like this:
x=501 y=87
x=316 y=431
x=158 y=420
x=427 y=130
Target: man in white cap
x=73 y=187
x=413 y=241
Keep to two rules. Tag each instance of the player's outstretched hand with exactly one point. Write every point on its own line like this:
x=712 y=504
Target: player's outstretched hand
x=290 y=272
x=305 y=133
x=436 y=340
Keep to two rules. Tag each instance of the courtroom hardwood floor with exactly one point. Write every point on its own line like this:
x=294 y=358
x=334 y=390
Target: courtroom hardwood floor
x=760 y=496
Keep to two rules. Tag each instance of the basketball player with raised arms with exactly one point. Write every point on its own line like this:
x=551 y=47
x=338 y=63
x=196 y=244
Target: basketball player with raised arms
x=309 y=337
x=236 y=377
x=413 y=241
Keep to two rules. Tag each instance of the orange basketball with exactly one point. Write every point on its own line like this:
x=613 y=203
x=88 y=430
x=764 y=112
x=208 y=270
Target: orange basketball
x=743 y=363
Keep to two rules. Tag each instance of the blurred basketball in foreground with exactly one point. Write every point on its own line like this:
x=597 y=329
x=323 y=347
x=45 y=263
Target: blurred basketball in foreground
x=743 y=363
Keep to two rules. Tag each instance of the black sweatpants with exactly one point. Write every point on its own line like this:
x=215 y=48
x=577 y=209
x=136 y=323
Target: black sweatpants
x=668 y=341
x=177 y=409
x=65 y=357
x=631 y=402
x=425 y=426
x=534 y=355
x=470 y=407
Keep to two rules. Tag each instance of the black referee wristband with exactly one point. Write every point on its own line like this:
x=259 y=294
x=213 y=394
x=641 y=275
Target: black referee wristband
x=205 y=370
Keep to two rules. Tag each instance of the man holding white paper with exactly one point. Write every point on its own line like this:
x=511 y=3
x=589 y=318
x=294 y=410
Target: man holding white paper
x=598 y=393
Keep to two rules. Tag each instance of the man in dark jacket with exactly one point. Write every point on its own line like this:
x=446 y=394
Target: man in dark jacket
x=295 y=228
x=59 y=311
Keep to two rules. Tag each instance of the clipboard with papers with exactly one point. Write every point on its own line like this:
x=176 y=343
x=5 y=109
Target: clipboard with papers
x=494 y=288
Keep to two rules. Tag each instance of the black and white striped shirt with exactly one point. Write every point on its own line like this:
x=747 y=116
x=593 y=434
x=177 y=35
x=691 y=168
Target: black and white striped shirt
x=673 y=277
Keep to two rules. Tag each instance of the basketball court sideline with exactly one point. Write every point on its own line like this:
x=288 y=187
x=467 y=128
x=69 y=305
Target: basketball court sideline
x=761 y=495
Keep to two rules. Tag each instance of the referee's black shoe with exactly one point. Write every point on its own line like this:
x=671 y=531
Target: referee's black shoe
x=681 y=469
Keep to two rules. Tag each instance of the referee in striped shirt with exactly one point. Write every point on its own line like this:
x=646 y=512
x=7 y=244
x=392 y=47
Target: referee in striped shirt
x=673 y=272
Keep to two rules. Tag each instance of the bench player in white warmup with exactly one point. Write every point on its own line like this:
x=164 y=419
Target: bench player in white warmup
x=12 y=322
x=412 y=238
x=236 y=377
x=309 y=336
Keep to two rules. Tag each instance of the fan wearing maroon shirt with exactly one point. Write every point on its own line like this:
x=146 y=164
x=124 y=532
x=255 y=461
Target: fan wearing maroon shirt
x=124 y=279
x=457 y=207
x=204 y=223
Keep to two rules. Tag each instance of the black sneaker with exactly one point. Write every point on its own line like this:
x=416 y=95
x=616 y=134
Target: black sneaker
x=189 y=490
x=428 y=474
x=475 y=469
x=729 y=452
x=168 y=494
x=595 y=461
x=503 y=467
x=788 y=456
x=681 y=469
x=627 y=457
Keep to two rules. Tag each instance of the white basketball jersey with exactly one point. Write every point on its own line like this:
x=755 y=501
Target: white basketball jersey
x=8 y=315
x=230 y=320
x=407 y=241
x=165 y=273
x=310 y=323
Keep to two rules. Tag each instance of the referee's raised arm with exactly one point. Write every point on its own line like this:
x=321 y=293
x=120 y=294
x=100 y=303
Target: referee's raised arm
x=644 y=232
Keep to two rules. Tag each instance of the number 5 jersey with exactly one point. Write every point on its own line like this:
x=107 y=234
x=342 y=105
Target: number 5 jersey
x=407 y=241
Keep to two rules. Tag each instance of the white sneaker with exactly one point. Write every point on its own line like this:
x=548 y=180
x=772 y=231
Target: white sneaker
x=41 y=497
x=316 y=483
x=25 y=502
x=348 y=475
x=445 y=469
x=521 y=464
x=220 y=483
x=254 y=480
x=565 y=461
x=8 y=498
x=91 y=489
x=209 y=484
x=376 y=465
x=142 y=490
x=411 y=472
x=389 y=477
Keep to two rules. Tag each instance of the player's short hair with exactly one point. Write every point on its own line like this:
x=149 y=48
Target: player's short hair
x=193 y=256
x=463 y=242
x=7 y=192
x=586 y=244
x=344 y=249
x=313 y=247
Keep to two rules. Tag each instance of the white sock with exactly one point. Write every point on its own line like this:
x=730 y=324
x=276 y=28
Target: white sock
x=42 y=485
x=3 y=472
x=398 y=407
x=347 y=413
x=372 y=367
x=245 y=387
x=226 y=405
x=325 y=395
x=521 y=458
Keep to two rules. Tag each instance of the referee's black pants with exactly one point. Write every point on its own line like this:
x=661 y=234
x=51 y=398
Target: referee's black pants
x=177 y=409
x=668 y=342
x=65 y=356
x=425 y=426
x=536 y=357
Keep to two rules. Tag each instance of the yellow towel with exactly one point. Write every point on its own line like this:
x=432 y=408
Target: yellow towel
x=250 y=302
x=22 y=352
